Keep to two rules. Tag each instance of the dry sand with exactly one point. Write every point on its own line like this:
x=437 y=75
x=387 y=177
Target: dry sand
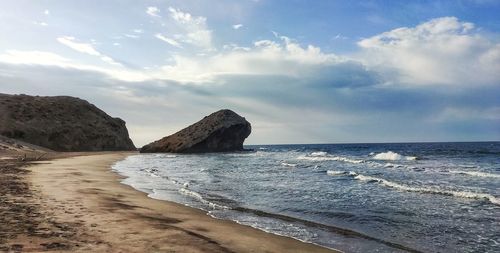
x=83 y=207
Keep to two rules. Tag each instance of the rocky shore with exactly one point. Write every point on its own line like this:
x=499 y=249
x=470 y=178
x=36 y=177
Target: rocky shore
x=61 y=123
x=221 y=131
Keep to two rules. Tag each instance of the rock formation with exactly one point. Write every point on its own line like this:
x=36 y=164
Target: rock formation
x=61 y=124
x=221 y=131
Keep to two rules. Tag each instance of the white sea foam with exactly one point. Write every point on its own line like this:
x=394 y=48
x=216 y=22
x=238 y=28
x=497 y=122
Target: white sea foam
x=462 y=194
x=323 y=156
x=198 y=197
x=335 y=172
x=339 y=172
x=392 y=156
x=151 y=171
x=288 y=164
x=319 y=153
x=475 y=173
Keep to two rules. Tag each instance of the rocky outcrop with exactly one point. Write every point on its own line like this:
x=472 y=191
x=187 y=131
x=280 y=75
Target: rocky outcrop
x=221 y=131
x=61 y=123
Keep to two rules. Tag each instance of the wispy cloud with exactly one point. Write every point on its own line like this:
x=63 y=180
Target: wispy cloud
x=80 y=47
x=340 y=37
x=40 y=23
x=43 y=58
x=153 y=11
x=168 y=40
x=237 y=26
x=86 y=48
x=34 y=58
x=132 y=36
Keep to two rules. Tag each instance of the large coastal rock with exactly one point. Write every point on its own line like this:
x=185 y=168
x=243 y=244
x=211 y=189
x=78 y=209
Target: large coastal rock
x=221 y=131
x=61 y=123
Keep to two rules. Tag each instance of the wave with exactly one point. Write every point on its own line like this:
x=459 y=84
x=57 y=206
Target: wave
x=151 y=171
x=164 y=156
x=289 y=164
x=320 y=153
x=393 y=165
x=462 y=194
x=475 y=173
x=338 y=173
x=335 y=172
x=323 y=156
x=392 y=156
x=198 y=197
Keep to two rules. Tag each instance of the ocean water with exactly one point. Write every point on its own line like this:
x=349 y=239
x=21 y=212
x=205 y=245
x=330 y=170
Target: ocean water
x=416 y=197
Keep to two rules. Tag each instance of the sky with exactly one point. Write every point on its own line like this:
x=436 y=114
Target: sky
x=300 y=71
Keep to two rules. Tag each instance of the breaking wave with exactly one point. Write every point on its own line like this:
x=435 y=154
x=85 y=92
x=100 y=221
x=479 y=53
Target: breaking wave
x=461 y=194
x=393 y=156
x=338 y=173
x=198 y=197
x=335 y=172
x=475 y=173
x=323 y=156
x=288 y=164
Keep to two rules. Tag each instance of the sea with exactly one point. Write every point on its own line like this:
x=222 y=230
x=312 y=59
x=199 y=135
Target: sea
x=402 y=197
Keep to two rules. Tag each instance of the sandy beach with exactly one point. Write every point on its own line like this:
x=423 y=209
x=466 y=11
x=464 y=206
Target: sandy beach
x=83 y=207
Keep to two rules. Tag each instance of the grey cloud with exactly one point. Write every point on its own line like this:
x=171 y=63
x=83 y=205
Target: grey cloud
x=298 y=109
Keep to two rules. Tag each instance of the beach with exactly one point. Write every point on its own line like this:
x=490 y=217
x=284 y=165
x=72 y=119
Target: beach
x=78 y=204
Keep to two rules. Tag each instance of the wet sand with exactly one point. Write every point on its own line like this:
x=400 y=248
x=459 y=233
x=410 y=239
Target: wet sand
x=79 y=205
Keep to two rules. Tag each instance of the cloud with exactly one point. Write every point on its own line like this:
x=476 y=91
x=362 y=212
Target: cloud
x=237 y=26
x=267 y=58
x=235 y=47
x=194 y=29
x=395 y=88
x=42 y=58
x=340 y=37
x=168 y=40
x=46 y=12
x=34 y=58
x=441 y=51
x=80 y=47
x=40 y=23
x=132 y=36
x=301 y=110
x=153 y=11
x=86 y=49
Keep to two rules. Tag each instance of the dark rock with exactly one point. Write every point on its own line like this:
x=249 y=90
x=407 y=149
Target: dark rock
x=221 y=131
x=61 y=123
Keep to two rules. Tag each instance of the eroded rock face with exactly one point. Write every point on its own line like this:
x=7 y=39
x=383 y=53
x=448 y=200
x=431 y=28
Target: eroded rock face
x=221 y=131
x=61 y=123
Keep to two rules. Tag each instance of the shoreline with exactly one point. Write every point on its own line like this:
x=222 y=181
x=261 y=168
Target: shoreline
x=108 y=215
